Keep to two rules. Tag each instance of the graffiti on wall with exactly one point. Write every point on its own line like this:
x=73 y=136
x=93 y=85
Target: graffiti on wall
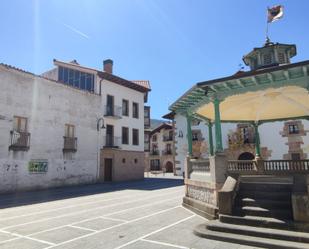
x=38 y=166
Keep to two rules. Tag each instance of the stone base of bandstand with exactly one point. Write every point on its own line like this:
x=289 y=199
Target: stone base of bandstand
x=201 y=196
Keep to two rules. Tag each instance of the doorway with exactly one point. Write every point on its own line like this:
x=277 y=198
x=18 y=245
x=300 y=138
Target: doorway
x=246 y=156
x=169 y=167
x=108 y=169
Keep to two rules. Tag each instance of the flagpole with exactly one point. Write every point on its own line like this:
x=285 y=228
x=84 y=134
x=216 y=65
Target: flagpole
x=267 y=23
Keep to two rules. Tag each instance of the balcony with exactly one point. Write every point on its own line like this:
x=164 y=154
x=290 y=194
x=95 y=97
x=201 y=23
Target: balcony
x=113 y=111
x=167 y=138
x=154 y=153
x=20 y=141
x=111 y=142
x=167 y=152
x=70 y=144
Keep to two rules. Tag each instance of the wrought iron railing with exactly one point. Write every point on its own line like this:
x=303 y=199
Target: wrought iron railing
x=113 y=111
x=154 y=153
x=167 y=138
x=167 y=152
x=19 y=141
x=70 y=144
x=111 y=142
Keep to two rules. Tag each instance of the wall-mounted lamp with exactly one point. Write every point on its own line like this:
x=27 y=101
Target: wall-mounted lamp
x=100 y=124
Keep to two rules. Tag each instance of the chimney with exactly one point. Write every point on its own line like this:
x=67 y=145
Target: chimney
x=108 y=66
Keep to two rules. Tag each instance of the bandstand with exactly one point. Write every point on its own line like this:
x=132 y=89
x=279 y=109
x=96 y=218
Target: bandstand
x=259 y=192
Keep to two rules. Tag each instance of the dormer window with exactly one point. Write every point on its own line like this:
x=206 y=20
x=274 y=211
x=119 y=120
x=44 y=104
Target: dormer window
x=78 y=79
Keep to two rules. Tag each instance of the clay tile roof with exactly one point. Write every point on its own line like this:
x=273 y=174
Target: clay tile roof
x=143 y=83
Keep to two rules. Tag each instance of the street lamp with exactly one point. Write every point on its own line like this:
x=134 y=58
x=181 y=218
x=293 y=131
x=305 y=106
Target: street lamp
x=100 y=125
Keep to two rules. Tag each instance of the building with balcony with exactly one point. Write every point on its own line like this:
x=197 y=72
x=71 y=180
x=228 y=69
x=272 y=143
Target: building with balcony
x=161 y=155
x=50 y=134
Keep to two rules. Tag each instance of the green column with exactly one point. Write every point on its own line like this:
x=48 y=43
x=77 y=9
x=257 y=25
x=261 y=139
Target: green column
x=210 y=140
x=189 y=135
x=257 y=140
x=219 y=147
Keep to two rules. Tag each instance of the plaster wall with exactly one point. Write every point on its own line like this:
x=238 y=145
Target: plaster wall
x=48 y=106
x=120 y=92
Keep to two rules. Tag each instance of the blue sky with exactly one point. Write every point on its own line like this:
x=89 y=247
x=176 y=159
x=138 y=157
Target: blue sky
x=172 y=43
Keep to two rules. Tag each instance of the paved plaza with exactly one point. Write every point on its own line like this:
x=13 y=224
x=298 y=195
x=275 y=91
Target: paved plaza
x=141 y=214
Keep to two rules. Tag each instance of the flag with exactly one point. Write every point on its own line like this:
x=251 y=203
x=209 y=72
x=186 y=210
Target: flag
x=274 y=13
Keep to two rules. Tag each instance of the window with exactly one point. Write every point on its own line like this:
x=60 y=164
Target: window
x=76 y=78
x=70 y=141
x=194 y=136
x=155 y=164
x=125 y=135
x=20 y=124
x=135 y=110
x=281 y=58
x=69 y=130
x=146 y=141
x=125 y=107
x=109 y=105
x=154 y=138
x=293 y=129
x=168 y=149
x=135 y=136
x=295 y=156
x=267 y=59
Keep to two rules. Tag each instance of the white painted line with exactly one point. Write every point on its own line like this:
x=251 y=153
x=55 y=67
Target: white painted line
x=61 y=208
x=194 y=213
x=164 y=244
x=125 y=196
x=114 y=219
x=25 y=237
x=123 y=192
x=82 y=228
x=102 y=230
x=81 y=221
x=159 y=230
x=85 y=211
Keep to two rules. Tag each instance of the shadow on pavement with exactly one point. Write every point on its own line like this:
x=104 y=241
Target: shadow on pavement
x=46 y=195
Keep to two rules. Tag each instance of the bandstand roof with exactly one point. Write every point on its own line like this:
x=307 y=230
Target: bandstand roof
x=268 y=94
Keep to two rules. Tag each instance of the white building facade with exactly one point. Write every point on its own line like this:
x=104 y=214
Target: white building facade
x=48 y=127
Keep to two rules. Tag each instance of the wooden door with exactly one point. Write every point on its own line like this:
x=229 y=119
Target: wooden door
x=108 y=169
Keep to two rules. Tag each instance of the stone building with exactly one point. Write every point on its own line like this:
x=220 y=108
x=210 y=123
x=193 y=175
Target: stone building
x=70 y=125
x=162 y=152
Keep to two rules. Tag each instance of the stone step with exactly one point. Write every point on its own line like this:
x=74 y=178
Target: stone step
x=216 y=225
x=257 y=221
x=267 y=179
x=264 y=212
x=266 y=187
x=248 y=240
x=267 y=195
x=263 y=203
